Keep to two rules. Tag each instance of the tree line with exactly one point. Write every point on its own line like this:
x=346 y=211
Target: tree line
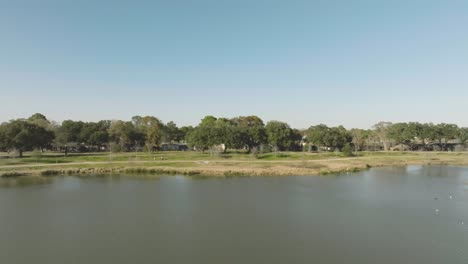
x=249 y=133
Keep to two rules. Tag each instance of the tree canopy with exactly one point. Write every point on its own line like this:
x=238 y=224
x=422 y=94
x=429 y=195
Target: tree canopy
x=330 y=137
x=242 y=132
x=23 y=135
x=281 y=136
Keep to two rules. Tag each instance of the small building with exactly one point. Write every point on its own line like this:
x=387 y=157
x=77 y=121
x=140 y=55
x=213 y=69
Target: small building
x=400 y=147
x=173 y=147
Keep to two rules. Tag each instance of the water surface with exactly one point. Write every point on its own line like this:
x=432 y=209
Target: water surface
x=387 y=215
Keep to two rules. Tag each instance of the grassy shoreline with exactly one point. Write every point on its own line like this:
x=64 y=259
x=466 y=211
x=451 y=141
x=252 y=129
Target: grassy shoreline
x=206 y=164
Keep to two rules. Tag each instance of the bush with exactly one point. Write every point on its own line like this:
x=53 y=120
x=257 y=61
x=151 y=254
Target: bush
x=114 y=147
x=347 y=150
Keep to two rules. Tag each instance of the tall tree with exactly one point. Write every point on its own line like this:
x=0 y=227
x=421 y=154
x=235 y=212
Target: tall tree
x=227 y=133
x=171 y=133
x=23 y=135
x=463 y=135
x=296 y=137
x=359 y=138
x=95 y=134
x=401 y=133
x=124 y=135
x=185 y=132
x=444 y=133
x=41 y=120
x=318 y=135
x=332 y=137
x=381 y=129
x=280 y=135
x=152 y=128
x=339 y=137
x=252 y=131
x=69 y=131
x=204 y=135
x=3 y=137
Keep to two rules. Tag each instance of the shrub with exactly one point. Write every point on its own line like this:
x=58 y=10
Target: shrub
x=347 y=150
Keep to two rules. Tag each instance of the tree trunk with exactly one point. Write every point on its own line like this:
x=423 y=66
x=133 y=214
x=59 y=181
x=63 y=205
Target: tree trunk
x=441 y=145
x=20 y=153
x=385 y=145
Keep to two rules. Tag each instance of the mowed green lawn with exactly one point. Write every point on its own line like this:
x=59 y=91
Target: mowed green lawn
x=56 y=157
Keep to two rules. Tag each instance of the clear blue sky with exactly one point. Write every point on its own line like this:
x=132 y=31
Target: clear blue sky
x=306 y=62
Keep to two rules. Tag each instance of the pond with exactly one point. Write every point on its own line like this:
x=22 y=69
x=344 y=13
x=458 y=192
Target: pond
x=415 y=214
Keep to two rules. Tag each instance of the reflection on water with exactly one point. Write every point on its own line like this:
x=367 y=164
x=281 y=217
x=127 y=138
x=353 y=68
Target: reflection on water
x=118 y=178
x=23 y=181
x=414 y=214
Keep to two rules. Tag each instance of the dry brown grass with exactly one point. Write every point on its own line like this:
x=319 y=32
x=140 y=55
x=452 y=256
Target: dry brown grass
x=238 y=167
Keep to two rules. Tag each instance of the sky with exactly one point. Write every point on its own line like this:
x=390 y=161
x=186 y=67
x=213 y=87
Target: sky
x=306 y=62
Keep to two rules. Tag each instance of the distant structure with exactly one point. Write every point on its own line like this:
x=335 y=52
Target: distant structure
x=173 y=147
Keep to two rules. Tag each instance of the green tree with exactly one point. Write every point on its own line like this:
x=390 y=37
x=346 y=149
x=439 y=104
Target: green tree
x=41 y=120
x=252 y=131
x=417 y=134
x=463 y=135
x=171 y=133
x=296 y=137
x=332 y=137
x=184 y=132
x=204 y=135
x=124 y=135
x=425 y=133
x=99 y=139
x=95 y=134
x=3 y=137
x=22 y=135
x=339 y=137
x=152 y=128
x=214 y=131
x=318 y=135
x=279 y=135
x=227 y=133
x=401 y=133
x=444 y=133
x=69 y=133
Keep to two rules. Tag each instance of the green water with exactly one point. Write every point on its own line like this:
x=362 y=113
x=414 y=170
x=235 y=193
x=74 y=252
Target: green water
x=385 y=215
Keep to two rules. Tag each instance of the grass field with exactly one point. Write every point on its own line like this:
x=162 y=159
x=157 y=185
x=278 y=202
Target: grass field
x=209 y=164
